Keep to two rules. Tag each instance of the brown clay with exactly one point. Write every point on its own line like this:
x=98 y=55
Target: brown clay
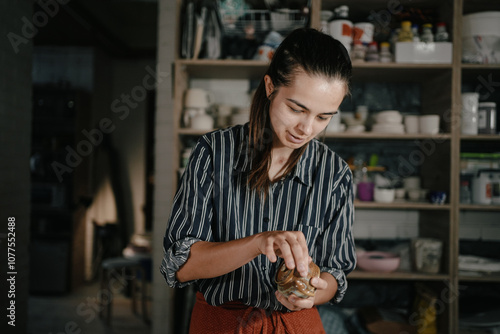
x=289 y=281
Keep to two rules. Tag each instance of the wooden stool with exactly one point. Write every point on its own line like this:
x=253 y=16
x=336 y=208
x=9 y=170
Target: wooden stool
x=123 y=270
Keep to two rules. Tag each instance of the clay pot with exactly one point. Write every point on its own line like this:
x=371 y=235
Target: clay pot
x=289 y=281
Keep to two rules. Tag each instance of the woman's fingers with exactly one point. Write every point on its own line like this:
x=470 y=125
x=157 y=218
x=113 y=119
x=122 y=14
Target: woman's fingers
x=294 y=303
x=319 y=283
x=289 y=245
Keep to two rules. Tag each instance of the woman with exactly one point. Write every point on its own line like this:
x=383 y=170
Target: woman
x=268 y=189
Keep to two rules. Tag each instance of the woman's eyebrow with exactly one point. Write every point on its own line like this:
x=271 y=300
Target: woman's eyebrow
x=298 y=103
x=305 y=108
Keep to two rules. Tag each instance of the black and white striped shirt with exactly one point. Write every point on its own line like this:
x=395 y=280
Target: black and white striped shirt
x=214 y=204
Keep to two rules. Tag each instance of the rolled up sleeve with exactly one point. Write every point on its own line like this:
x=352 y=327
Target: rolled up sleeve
x=191 y=215
x=175 y=256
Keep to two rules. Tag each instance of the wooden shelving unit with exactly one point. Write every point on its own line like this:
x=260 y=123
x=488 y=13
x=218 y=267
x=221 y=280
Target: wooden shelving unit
x=441 y=86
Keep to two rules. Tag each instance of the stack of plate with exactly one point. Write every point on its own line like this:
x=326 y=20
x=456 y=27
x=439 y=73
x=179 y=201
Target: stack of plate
x=388 y=121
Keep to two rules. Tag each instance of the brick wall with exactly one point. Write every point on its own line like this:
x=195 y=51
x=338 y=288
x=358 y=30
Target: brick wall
x=15 y=137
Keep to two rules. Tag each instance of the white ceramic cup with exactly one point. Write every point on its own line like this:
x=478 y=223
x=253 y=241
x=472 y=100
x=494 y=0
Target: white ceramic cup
x=429 y=124
x=412 y=124
x=202 y=122
x=411 y=182
x=198 y=98
x=382 y=195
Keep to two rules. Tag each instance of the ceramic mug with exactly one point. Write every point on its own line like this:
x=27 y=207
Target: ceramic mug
x=429 y=124
x=198 y=98
x=412 y=124
x=202 y=122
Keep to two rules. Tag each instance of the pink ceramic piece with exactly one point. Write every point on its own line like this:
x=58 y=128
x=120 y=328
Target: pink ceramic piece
x=378 y=261
x=289 y=281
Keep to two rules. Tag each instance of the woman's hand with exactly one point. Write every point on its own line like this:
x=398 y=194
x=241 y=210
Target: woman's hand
x=289 y=245
x=294 y=303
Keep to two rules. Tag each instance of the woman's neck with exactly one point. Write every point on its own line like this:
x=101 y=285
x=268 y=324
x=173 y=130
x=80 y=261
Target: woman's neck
x=279 y=160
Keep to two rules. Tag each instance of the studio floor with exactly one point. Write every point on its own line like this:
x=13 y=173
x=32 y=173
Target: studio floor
x=78 y=310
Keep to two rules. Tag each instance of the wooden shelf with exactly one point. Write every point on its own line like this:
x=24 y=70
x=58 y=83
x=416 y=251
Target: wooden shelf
x=390 y=136
x=495 y=278
x=397 y=275
x=345 y=135
x=223 y=69
x=480 y=137
x=253 y=69
x=400 y=205
x=480 y=66
x=479 y=207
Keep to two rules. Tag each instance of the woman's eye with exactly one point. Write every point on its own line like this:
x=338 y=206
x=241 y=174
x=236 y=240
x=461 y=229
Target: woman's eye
x=324 y=118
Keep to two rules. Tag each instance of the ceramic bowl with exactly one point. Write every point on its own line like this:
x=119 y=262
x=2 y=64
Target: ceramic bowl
x=289 y=281
x=376 y=261
x=389 y=117
x=384 y=195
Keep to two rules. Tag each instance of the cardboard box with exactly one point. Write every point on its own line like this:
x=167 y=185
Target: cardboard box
x=424 y=53
x=382 y=321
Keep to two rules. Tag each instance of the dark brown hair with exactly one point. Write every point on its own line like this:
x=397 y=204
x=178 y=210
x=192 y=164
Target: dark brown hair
x=304 y=49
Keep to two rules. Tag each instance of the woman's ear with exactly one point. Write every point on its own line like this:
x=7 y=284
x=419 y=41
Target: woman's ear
x=269 y=85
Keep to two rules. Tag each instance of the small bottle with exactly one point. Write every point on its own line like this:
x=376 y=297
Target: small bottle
x=414 y=30
x=427 y=35
x=465 y=194
x=405 y=34
x=372 y=52
x=385 y=53
x=441 y=33
x=358 y=51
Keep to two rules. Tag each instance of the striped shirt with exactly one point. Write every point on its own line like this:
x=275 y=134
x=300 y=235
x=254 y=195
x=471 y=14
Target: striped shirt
x=214 y=204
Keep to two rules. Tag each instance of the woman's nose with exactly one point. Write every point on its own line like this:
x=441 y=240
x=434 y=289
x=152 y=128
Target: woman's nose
x=306 y=125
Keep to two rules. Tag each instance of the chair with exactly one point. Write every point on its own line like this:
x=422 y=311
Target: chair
x=124 y=271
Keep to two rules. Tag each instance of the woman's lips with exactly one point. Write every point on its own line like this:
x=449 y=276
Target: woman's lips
x=294 y=139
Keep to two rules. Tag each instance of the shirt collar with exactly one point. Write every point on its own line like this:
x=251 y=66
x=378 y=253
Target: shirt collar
x=302 y=170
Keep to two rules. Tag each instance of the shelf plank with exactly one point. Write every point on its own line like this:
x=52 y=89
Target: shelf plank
x=401 y=205
x=224 y=69
x=346 y=135
x=254 y=69
x=479 y=207
x=480 y=66
x=480 y=137
x=485 y=278
x=392 y=136
x=396 y=275
x=400 y=66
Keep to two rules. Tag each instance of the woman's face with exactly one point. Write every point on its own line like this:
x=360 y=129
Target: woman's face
x=299 y=112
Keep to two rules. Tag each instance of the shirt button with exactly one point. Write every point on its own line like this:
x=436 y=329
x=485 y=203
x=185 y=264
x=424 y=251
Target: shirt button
x=264 y=268
x=266 y=220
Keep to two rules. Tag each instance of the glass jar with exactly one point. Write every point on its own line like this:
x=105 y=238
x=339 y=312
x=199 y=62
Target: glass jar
x=405 y=34
x=385 y=53
x=441 y=33
x=470 y=103
x=427 y=35
x=487 y=118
